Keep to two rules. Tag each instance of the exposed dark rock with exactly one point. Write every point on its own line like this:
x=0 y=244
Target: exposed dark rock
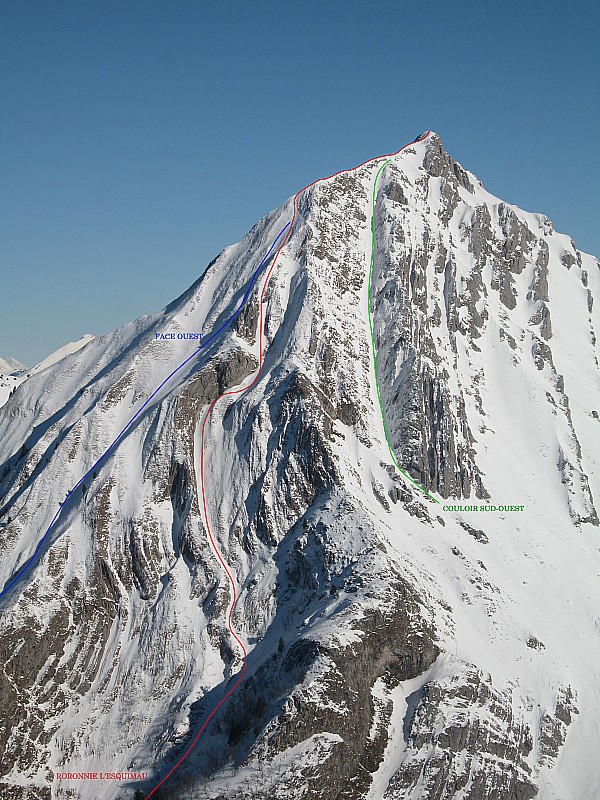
x=542 y=354
x=247 y=321
x=393 y=191
x=438 y=163
x=12 y=791
x=538 y=289
x=534 y=643
x=481 y=754
x=474 y=532
x=390 y=645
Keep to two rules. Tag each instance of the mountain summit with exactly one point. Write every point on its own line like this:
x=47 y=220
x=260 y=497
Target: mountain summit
x=400 y=484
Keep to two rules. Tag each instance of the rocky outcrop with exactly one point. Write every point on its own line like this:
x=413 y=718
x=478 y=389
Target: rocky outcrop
x=462 y=736
x=429 y=429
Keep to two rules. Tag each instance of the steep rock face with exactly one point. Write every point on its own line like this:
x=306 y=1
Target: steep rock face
x=439 y=294
x=395 y=648
x=473 y=742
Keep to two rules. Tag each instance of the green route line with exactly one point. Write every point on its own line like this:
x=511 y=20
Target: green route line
x=387 y=438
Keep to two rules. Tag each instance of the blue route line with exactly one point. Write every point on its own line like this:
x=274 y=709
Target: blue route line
x=205 y=342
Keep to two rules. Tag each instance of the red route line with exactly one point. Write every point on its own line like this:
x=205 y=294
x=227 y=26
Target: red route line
x=232 y=392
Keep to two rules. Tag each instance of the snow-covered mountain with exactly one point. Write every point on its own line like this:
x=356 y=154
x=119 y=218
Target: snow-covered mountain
x=10 y=377
x=12 y=373
x=9 y=365
x=62 y=352
x=399 y=646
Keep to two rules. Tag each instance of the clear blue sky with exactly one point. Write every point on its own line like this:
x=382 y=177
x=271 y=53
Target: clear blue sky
x=137 y=139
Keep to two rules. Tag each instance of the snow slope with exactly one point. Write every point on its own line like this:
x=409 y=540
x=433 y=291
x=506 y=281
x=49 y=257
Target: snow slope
x=62 y=352
x=12 y=373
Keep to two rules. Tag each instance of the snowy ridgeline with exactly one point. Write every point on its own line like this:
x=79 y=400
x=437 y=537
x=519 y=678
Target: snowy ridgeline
x=396 y=650
x=13 y=373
